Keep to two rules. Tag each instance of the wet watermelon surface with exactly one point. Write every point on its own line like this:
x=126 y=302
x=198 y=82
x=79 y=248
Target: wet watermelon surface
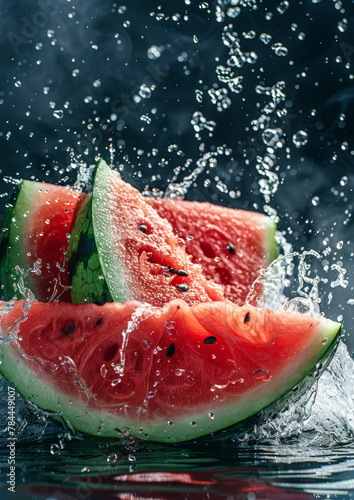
x=71 y=83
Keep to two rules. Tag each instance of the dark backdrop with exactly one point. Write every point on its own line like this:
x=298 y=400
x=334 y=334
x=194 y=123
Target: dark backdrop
x=81 y=77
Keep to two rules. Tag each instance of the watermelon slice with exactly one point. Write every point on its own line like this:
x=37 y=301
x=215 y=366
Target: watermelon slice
x=34 y=241
x=232 y=246
x=121 y=249
x=166 y=374
x=206 y=229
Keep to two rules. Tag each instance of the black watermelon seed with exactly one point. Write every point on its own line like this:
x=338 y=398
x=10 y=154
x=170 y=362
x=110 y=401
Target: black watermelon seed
x=69 y=328
x=171 y=350
x=110 y=353
x=247 y=318
x=99 y=322
x=171 y=270
x=182 y=272
x=143 y=228
x=182 y=287
x=231 y=248
x=210 y=340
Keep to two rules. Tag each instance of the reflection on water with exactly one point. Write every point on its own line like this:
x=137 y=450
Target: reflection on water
x=86 y=469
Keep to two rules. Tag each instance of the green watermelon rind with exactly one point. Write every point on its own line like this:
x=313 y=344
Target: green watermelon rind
x=78 y=415
x=271 y=247
x=112 y=267
x=87 y=283
x=288 y=398
x=93 y=266
x=15 y=225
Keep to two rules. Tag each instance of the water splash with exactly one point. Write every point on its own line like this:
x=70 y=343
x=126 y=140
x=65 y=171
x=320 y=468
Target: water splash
x=325 y=417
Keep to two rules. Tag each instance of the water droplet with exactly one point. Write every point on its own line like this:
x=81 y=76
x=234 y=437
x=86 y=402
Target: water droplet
x=193 y=424
x=199 y=95
x=344 y=180
x=233 y=12
x=249 y=34
x=145 y=91
x=195 y=39
x=282 y=7
x=272 y=137
x=344 y=146
x=300 y=138
x=211 y=415
x=280 y=49
x=112 y=458
x=126 y=24
x=55 y=449
x=58 y=113
x=265 y=38
x=85 y=469
x=324 y=341
x=315 y=201
x=131 y=458
x=343 y=24
x=154 y=52
x=302 y=305
x=262 y=375
x=170 y=423
x=340 y=245
x=97 y=83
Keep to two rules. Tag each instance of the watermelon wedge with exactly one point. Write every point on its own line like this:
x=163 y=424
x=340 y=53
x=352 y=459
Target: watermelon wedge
x=34 y=241
x=48 y=211
x=232 y=246
x=121 y=249
x=166 y=374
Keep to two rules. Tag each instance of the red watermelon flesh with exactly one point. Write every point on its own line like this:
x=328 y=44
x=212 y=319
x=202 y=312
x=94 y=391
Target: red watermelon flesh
x=167 y=374
x=35 y=230
x=231 y=245
x=119 y=237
